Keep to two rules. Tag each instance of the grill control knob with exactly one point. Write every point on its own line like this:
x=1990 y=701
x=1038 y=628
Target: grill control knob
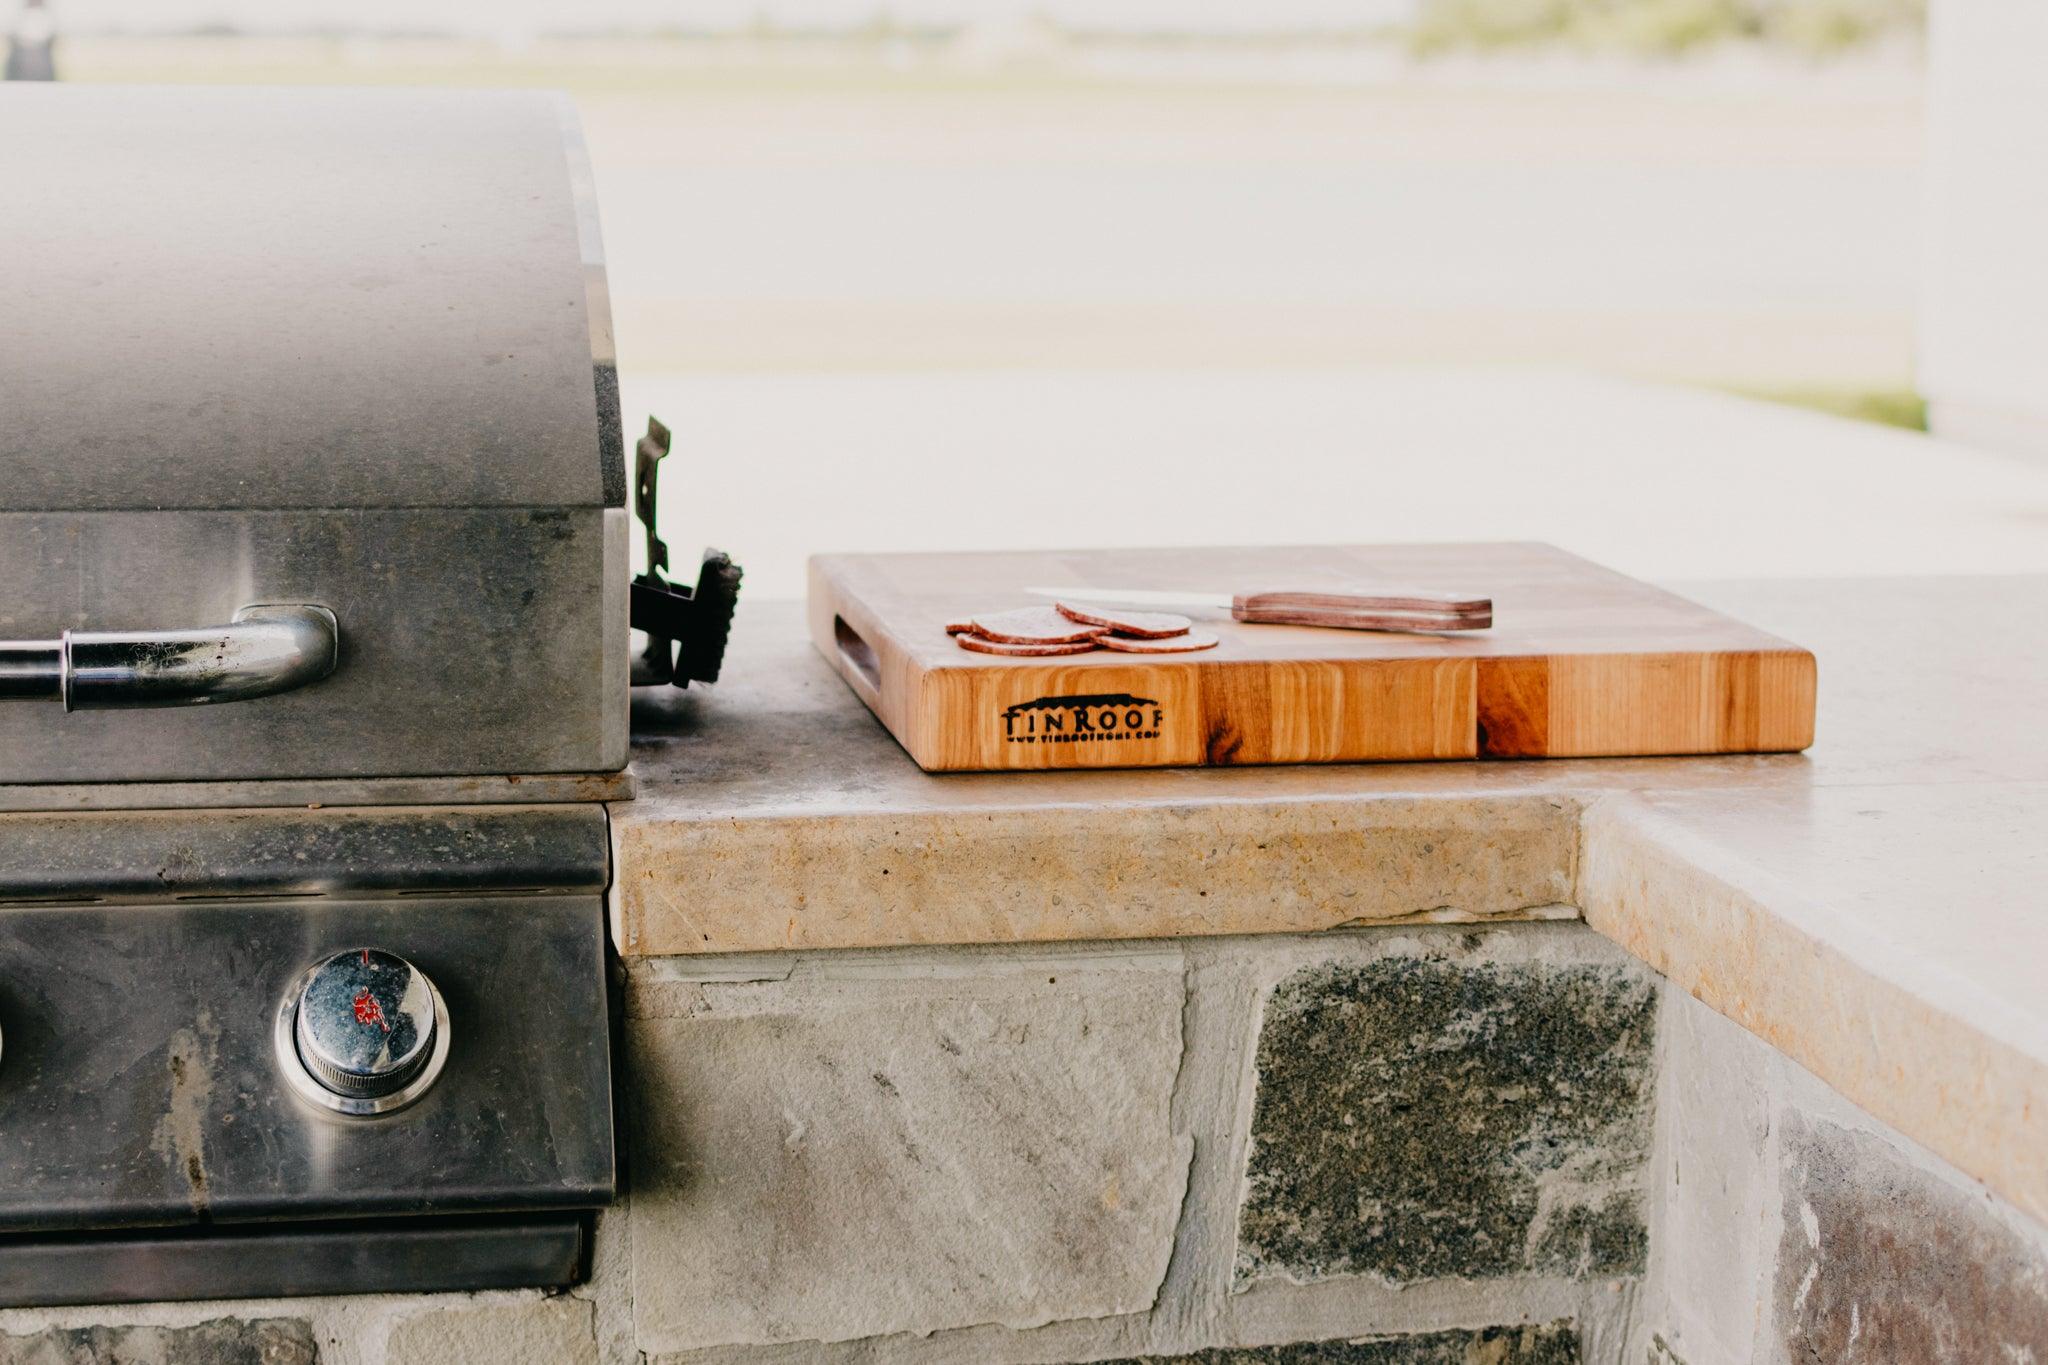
x=368 y=1030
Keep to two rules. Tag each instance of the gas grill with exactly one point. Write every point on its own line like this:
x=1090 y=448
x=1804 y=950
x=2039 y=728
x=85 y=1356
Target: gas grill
x=315 y=646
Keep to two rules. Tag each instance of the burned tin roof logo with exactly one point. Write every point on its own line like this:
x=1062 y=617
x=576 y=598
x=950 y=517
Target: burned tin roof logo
x=1102 y=699
x=1083 y=719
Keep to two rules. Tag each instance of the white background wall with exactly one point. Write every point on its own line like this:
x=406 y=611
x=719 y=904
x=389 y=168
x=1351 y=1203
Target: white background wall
x=1984 y=300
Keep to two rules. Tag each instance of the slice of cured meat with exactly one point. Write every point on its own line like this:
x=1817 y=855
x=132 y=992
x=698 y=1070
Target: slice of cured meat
x=960 y=627
x=1145 y=625
x=1177 y=644
x=1031 y=626
x=981 y=644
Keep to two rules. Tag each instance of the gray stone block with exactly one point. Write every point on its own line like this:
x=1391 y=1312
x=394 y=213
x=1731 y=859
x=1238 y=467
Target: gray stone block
x=1883 y=1262
x=1554 y=1344
x=828 y=1159
x=220 y=1341
x=1717 y=1181
x=536 y=1331
x=1419 y=1118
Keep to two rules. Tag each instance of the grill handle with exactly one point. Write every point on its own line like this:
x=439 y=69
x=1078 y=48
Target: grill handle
x=265 y=649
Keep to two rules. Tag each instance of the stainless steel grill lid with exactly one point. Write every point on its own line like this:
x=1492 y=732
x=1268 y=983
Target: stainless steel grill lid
x=289 y=349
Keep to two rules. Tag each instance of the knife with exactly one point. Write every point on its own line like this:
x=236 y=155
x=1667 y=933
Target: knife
x=1385 y=609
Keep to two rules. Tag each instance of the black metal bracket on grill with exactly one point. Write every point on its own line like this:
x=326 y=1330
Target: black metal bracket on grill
x=686 y=628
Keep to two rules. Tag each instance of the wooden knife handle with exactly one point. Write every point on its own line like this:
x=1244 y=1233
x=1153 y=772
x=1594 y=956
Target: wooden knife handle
x=1382 y=610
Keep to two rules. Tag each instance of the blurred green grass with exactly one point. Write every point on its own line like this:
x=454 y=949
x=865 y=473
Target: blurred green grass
x=1889 y=407
x=1660 y=28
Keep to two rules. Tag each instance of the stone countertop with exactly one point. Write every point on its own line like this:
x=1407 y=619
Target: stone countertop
x=1874 y=907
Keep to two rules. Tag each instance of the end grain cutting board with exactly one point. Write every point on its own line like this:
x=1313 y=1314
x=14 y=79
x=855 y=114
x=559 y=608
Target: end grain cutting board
x=1580 y=661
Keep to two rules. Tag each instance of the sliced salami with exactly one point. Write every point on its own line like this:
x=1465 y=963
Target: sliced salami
x=1145 y=625
x=981 y=644
x=1032 y=626
x=1177 y=644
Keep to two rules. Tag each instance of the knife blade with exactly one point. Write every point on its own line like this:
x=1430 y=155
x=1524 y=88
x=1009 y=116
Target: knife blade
x=1401 y=609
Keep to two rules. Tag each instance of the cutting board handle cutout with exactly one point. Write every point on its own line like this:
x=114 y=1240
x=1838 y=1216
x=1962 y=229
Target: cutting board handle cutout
x=858 y=654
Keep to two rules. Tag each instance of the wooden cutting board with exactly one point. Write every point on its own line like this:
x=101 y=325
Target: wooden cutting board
x=1580 y=661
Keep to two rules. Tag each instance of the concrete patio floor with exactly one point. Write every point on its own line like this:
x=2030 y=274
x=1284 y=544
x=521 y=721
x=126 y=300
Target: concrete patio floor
x=1663 y=483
